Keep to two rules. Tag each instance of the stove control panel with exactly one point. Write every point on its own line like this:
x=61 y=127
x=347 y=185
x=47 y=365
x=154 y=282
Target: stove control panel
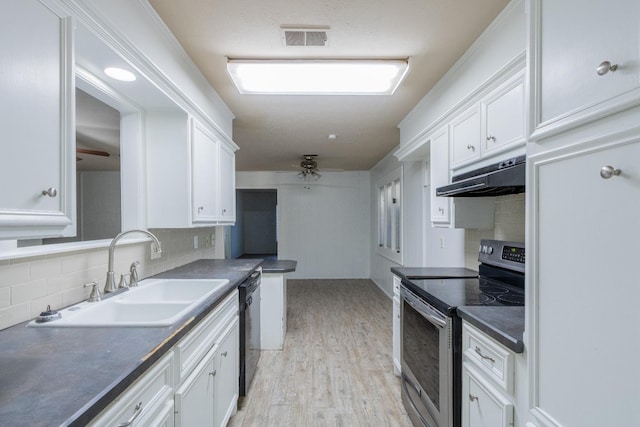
x=511 y=253
x=502 y=254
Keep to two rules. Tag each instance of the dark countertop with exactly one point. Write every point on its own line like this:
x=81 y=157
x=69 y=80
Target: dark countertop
x=278 y=266
x=432 y=272
x=504 y=324
x=53 y=376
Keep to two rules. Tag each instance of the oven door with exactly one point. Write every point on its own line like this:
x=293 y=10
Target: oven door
x=427 y=358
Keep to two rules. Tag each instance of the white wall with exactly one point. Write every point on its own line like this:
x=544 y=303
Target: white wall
x=324 y=225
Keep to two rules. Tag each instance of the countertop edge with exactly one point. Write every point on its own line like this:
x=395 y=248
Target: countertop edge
x=503 y=337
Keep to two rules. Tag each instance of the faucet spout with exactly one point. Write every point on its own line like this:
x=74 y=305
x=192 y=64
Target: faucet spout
x=110 y=284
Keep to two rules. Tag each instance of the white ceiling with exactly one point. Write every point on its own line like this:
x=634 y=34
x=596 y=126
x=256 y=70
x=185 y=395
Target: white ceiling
x=274 y=130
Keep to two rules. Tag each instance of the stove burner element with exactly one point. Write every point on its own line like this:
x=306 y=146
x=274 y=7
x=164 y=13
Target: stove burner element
x=493 y=290
x=511 y=299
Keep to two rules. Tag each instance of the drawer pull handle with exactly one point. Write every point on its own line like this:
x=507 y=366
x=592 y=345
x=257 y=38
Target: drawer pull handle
x=483 y=356
x=605 y=67
x=51 y=192
x=136 y=412
x=472 y=397
x=471 y=147
x=213 y=374
x=609 y=171
x=224 y=354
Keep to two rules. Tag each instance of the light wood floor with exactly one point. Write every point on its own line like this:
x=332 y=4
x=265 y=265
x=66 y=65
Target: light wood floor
x=336 y=368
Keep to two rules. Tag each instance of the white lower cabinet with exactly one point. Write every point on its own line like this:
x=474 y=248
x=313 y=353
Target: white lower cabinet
x=396 y=326
x=194 y=398
x=194 y=384
x=227 y=367
x=482 y=404
x=487 y=381
x=145 y=402
x=209 y=394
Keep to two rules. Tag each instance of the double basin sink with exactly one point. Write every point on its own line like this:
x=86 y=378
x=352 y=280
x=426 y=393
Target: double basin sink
x=154 y=303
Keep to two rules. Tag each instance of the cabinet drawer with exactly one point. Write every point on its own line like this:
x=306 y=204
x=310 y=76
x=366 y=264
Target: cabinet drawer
x=145 y=399
x=490 y=357
x=190 y=350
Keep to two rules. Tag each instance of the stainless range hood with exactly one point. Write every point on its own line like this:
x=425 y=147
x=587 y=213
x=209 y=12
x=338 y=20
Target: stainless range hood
x=499 y=179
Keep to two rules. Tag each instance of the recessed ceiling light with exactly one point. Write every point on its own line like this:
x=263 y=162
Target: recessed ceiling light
x=317 y=77
x=332 y=137
x=120 y=74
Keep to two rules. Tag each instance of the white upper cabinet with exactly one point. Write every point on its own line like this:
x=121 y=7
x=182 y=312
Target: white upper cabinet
x=571 y=48
x=37 y=121
x=439 y=173
x=190 y=174
x=204 y=174
x=503 y=113
x=490 y=127
x=227 y=184
x=465 y=137
x=467 y=212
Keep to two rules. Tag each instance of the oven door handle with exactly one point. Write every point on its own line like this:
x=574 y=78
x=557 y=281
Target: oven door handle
x=426 y=311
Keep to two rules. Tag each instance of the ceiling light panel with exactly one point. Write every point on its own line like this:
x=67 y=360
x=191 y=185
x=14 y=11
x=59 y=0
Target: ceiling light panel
x=317 y=77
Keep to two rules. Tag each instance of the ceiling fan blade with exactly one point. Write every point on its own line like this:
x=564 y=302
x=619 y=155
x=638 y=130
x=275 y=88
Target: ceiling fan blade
x=92 y=152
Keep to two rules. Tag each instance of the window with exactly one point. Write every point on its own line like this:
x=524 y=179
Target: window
x=389 y=211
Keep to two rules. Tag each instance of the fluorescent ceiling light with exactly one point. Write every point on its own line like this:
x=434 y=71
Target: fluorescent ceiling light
x=120 y=74
x=317 y=77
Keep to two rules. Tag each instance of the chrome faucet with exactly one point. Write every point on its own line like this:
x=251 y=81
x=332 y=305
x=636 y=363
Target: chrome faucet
x=110 y=284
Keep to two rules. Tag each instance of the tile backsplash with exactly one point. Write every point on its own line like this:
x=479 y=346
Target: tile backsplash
x=509 y=225
x=28 y=285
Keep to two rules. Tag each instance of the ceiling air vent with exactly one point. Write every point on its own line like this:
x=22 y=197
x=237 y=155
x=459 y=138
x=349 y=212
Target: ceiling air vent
x=305 y=37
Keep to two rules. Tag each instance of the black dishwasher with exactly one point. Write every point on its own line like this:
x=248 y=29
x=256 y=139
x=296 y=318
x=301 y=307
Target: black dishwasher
x=249 y=329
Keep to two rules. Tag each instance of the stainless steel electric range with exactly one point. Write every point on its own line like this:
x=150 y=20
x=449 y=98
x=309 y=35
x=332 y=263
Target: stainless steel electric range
x=432 y=331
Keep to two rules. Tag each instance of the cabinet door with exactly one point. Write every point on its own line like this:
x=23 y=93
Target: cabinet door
x=585 y=258
x=204 y=163
x=227 y=184
x=504 y=117
x=482 y=405
x=228 y=366
x=36 y=114
x=194 y=399
x=571 y=39
x=465 y=137
x=440 y=206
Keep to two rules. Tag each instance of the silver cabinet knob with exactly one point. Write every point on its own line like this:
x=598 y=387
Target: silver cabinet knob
x=472 y=397
x=200 y=209
x=51 y=192
x=491 y=138
x=441 y=210
x=471 y=147
x=609 y=171
x=605 y=67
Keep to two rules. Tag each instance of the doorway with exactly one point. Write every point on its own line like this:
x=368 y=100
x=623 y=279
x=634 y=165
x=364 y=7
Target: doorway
x=255 y=234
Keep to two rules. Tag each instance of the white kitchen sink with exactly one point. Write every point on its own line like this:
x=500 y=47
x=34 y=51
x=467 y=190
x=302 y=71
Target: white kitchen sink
x=154 y=303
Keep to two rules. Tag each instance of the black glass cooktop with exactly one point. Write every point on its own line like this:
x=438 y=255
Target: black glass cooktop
x=447 y=294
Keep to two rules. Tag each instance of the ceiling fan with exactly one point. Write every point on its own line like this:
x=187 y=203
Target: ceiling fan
x=90 y=152
x=309 y=167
